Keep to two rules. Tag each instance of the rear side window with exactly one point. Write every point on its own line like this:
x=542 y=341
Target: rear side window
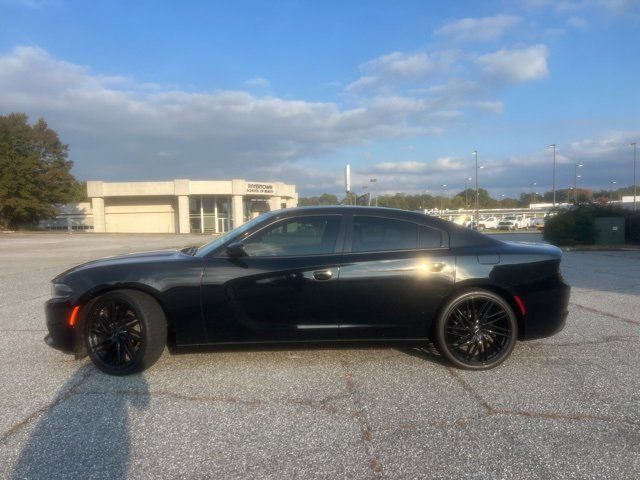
x=372 y=234
x=429 y=237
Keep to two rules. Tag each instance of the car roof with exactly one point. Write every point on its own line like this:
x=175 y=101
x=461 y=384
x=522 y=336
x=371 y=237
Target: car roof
x=459 y=235
x=361 y=210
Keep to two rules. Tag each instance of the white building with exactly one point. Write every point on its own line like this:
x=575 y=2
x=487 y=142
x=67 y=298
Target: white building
x=178 y=206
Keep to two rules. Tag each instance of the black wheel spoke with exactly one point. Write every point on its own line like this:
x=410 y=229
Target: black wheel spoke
x=114 y=334
x=478 y=330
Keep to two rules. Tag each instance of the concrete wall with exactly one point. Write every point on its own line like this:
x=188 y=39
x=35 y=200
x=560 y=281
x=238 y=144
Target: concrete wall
x=140 y=215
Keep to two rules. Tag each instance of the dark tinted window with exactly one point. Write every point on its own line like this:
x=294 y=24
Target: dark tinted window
x=372 y=234
x=429 y=237
x=295 y=236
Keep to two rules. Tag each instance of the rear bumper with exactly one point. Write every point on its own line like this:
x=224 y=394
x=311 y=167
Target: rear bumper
x=547 y=307
x=61 y=335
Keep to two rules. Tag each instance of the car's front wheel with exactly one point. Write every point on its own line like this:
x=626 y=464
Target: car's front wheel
x=476 y=330
x=125 y=332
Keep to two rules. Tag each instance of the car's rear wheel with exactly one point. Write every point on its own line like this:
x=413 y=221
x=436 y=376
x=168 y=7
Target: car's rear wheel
x=125 y=332
x=476 y=330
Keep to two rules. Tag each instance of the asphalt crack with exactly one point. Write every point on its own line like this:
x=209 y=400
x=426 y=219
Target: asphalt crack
x=359 y=413
x=490 y=410
x=606 y=314
x=322 y=404
x=63 y=397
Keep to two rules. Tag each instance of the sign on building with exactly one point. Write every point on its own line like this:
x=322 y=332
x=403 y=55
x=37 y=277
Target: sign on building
x=262 y=188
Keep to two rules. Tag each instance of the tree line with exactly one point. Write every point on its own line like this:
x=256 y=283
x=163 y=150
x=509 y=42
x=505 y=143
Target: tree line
x=466 y=199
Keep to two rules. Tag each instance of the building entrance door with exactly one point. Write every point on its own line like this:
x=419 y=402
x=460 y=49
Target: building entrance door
x=210 y=214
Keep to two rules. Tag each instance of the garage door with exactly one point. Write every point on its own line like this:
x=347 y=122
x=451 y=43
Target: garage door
x=140 y=215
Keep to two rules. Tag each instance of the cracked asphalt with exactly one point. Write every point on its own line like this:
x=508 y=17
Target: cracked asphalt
x=563 y=407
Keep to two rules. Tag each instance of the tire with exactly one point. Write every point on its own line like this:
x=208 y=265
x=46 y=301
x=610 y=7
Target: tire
x=125 y=332
x=476 y=330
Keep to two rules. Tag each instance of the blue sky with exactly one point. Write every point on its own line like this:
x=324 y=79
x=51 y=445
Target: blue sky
x=292 y=91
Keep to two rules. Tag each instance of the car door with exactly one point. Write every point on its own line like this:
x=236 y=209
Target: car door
x=284 y=288
x=394 y=275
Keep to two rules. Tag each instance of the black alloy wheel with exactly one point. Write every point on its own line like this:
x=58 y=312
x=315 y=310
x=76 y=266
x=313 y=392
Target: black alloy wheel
x=477 y=330
x=125 y=332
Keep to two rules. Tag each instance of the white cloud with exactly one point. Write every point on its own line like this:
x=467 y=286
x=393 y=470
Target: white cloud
x=116 y=127
x=518 y=65
x=401 y=64
x=362 y=82
x=442 y=164
x=484 y=29
x=616 y=7
x=34 y=4
x=398 y=67
x=489 y=106
x=257 y=82
x=577 y=22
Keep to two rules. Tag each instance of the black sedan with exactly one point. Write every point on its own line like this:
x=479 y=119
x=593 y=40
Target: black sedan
x=315 y=274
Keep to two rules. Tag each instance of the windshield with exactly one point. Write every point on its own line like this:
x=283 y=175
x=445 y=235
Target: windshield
x=236 y=232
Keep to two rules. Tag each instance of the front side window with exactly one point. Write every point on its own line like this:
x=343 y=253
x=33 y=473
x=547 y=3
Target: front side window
x=371 y=234
x=313 y=235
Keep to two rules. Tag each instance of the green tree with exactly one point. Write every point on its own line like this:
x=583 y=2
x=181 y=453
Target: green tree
x=324 y=199
x=35 y=173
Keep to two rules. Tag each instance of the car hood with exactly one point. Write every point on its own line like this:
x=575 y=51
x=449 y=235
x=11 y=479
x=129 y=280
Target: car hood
x=130 y=258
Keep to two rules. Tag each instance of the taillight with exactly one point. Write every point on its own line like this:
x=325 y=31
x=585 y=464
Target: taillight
x=520 y=303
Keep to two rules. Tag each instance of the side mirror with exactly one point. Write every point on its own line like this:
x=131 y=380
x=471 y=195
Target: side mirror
x=236 y=250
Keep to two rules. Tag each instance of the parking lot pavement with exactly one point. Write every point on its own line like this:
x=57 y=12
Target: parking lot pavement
x=563 y=407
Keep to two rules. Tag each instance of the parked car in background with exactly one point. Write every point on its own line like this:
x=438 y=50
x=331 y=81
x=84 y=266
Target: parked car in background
x=537 y=223
x=488 y=222
x=510 y=223
x=464 y=220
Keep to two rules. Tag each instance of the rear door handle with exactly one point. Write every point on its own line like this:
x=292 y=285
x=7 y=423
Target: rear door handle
x=437 y=266
x=323 y=275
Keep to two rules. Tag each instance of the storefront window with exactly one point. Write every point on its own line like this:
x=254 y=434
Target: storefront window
x=210 y=214
x=254 y=206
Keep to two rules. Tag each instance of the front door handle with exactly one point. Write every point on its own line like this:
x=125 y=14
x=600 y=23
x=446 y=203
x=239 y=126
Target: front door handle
x=323 y=275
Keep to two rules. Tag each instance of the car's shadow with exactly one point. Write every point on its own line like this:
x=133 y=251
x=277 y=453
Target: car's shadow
x=422 y=350
x=83 y=432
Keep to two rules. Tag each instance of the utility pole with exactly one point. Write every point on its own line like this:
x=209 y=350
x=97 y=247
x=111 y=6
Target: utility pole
x=424 y=194
x=475 y=154
x=374 y=180
x=532 y=198
x=575 y=182
x=466 y=192
x=442 y=187
x=612 y=182
x=554 y=174
x=635 y=194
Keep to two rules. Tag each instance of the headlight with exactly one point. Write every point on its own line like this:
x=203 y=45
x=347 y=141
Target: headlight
x=60 y=290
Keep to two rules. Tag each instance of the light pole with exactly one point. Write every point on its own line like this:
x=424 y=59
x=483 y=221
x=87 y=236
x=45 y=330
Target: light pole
x=553 y=145
x=532 y=198
x=364 y=189
x=424 y=193
x=575 y=181
x=442 y=187
x=635 y=195
x=612 y=182
x=374 y=180
x=466 y=193
x=475 y=154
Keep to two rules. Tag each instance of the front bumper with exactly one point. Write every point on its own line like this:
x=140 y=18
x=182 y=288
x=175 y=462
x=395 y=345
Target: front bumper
x=547 y=305
x=61 y=335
